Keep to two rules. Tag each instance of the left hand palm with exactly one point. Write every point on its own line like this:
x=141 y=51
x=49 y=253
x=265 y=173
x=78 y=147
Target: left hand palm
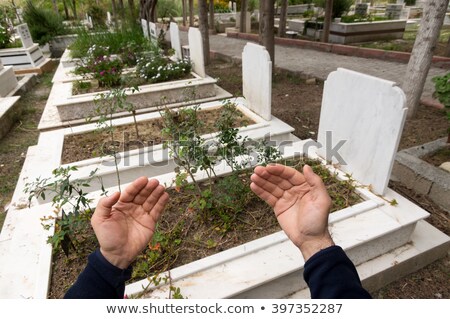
x=125 y=223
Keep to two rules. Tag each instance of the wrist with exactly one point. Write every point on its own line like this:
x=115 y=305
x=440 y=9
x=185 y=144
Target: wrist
x=312 y=246
x=117 y=261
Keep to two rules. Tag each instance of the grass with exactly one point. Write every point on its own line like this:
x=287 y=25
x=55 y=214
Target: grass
x=13 y=147
x=406 y=44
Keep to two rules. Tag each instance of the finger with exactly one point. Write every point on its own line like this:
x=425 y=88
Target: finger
x=263 y=194
x=312 y=178
x=151 y=200
x=267 y=185
x=104 y=205
x=280 y=175
x=142 y=196
x=158 y=208
x=133 y=189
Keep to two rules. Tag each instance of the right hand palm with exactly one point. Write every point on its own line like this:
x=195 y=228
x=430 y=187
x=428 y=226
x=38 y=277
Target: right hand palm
x=300 y=201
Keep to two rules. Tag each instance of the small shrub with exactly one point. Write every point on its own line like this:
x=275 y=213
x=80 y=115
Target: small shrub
x=99 y=64
x=156 y=68
x=98 y=16
x=339 y=6
x=43 y=24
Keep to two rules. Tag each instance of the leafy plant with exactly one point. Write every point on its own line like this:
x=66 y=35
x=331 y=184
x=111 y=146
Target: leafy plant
x=155 y=68
x=99 y=65
x=98 y=15
x=339 y=6
x=43 y=24
x=442 y=92
x=114 y=41
x=69 y=200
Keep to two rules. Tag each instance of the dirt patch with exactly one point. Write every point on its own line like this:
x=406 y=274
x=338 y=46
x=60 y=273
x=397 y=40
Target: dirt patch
x=24 y=133
x=98 y=143
x=187 y=233
x=438 y=157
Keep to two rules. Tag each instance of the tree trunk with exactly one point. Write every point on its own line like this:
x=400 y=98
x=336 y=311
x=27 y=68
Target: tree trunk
x=114 y=13
x=55 y=7
x=327 y=21
x=422 y=53
x=132 y=10
x=243 y=17
x=203 y=26
x=148 y=10
x=266 y=34
x=122 y=10
x=66 y=10
x=211 y=14
x=191 y=13
x=283 y=17
x=183 y=3
x=74 y=9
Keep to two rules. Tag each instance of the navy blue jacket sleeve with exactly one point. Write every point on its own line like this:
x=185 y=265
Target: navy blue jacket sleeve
x=330 y=274
x=99 y=280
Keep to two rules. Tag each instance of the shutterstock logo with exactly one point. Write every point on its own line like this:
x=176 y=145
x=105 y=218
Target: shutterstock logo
x=143 y=153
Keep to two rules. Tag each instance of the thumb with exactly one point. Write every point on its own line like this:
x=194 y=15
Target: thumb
x=106 y=203
x=312 y=178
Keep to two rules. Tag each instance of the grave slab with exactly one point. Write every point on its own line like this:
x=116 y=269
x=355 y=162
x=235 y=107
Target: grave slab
x=362 y=119
x=175 y=40
x=25 y=35
x=7 y=116
x=257 y=79
x=144 y=25
x=196 y=51
x=8 y=80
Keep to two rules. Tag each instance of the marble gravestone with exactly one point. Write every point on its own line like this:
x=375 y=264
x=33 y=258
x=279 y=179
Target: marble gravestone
x=257 y=80
x=144 y=25
x=361 y=122
x=196 y=51
x=361 y=9
x=394 y=11
x=153 y=31
x=25 y=35
x=175 y=40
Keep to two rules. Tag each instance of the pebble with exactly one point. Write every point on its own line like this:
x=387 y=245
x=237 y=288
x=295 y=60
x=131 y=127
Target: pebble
x=311 y=81
x=445 y=166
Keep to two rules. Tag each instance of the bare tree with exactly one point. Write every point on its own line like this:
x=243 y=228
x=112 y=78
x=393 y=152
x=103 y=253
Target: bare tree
x=74 y=9
x=422 y=52
x=283 y=17
x=132 y=10
x=243 y=17
x=148 y=10
x=191 y=13
x=327 y=21
x=211 y=14
x=203 y=26
x=266 y=28
x=183 y=3
x=55 y=7
x=121 y=9
x=66 y=10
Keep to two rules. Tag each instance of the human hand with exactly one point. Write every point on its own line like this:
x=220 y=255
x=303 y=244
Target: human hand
x=301 y=204
x=124 y=223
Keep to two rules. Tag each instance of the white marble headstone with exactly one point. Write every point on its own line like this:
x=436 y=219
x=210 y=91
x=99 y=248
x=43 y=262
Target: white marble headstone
x=394 y=11
x=361 y=9
x=144 y=25
x=196 y=51
x=108 y=17
x=362 y=119
x=153 y=31
x=91 y=24
x=175 y=40
x=257 y=79
x=25 y=35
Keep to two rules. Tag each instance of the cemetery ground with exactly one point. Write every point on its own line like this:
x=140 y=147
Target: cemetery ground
x=406 y=44
x=298 y=104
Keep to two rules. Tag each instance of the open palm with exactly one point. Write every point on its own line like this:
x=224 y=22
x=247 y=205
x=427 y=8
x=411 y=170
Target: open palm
x=124 y=223
x=300 y=202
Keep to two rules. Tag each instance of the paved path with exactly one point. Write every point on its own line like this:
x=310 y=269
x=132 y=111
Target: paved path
x=319 y=64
